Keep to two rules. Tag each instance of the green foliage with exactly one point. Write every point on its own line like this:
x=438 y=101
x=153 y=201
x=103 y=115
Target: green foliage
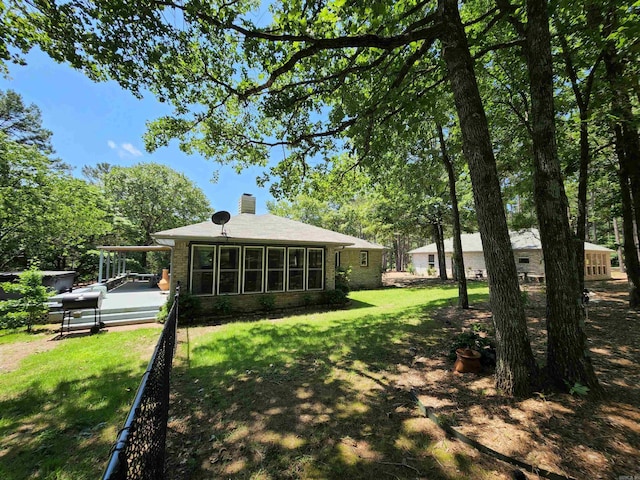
x=410 y=268
x=335 y=298
x=577 y=389
x=267 y=302
x=31 y=304
x=154 y=197
x=343 y=279
x=163 y=313
x=524 y=298
x=484 y=344
x=222 y=305
x=190 y=307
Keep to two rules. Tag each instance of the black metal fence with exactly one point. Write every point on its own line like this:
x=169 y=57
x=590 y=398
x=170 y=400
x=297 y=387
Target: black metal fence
x=139 y=450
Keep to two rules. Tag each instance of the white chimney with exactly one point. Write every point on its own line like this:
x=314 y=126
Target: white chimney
x=247 y=204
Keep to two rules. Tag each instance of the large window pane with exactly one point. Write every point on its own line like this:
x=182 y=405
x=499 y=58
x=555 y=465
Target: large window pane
x=253 y=259
x=202 y=283
x=315 y=272
x=275 y=269
x=296 y=268
x=229 y=270
x=202 y=272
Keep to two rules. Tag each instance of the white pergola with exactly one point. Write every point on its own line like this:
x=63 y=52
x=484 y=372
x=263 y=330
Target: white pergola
x=114 y=258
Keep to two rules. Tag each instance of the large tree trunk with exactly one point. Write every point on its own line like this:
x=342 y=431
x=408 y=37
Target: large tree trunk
x=457 y=260
x=631 y=260
x=628 y=151
x=568 y=357
x=438 y=237
x=582 y=197
x=616 y=233
x=516 y=369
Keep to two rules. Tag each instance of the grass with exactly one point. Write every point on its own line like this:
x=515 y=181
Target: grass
x=61 y=409
x=312 y=396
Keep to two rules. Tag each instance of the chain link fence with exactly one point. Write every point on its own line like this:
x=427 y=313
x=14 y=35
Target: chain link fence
x=140 y=448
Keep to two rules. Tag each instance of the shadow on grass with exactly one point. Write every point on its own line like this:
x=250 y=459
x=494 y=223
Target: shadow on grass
x=46 y=434
x=306 y=400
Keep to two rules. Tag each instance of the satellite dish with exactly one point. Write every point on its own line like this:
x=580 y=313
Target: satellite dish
x=220 y=218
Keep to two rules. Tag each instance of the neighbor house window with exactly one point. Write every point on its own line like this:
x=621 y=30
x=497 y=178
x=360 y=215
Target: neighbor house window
x=228 y=270
x=364 y=258
x=202 y=262
x=337 y=259
x=275 y=269
x=253 y=268
x=296 y=269
x=315 y=269
x=523 y=259
x=432 y=261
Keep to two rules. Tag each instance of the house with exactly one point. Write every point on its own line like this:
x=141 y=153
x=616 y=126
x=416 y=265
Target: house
x=527 y=250
x=252 y=256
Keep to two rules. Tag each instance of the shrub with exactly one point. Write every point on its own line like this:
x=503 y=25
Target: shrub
x=267 y=302
x=335 y=298
x=411 y=269
x=222 y=305
x=343 y=279
x=30 y=306
x=163 y=313
x=190 y=306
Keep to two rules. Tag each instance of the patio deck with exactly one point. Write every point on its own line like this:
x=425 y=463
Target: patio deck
x=130 y=303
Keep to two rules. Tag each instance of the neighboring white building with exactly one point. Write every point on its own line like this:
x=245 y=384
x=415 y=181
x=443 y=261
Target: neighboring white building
x=527 y=250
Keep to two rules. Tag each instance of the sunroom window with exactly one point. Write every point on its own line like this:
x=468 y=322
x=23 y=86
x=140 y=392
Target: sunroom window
x=203 y=260
x=275 y=269
x=315 y=269
x=296 y=268
x=229 y=270
x=253 y=266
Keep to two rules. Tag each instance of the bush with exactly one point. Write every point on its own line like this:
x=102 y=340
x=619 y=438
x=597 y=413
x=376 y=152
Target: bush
x=222 y=305
x=30 y=306
x=163 y=313
x=267 y=302
x=472 y=339
x=190 y=306
x=335 y=298
x=343 y=279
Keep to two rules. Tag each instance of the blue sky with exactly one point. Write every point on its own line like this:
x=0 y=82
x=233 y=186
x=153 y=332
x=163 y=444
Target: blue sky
x=100 y=122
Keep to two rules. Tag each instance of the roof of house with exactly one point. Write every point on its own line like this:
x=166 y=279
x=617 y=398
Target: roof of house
x=520 y=240
x=264 y=229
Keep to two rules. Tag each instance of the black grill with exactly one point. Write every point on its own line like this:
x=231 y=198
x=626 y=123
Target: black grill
x=81 y=301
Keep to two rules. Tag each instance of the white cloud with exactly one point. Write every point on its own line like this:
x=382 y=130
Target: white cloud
x=125 y=150
x=131 y=149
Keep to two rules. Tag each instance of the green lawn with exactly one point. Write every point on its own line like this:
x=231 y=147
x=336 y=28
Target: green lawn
x=309 y=396
x=61 y=409
x=312 y=396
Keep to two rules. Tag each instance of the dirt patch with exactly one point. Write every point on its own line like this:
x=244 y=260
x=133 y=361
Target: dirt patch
x=565 y=434
x=48 y=338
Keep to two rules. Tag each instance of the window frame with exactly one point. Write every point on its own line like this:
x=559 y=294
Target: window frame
x=364 y=258
x=322 y=269
x=213 y=268
x=524 y=260
x=302 y=269
x=230 y=247
x=284 y=270
x=262 y=268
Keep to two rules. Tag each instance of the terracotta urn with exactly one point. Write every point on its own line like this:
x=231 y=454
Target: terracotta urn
x=468 y=361
x=163 y=284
